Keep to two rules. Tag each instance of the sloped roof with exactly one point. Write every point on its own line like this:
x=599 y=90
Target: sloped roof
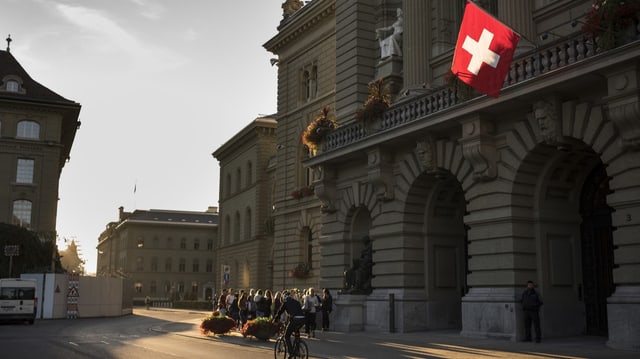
x=35 y=92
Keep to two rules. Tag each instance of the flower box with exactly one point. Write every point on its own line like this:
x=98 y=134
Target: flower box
x=612 y=23
x=261 y=328
x=217 y=324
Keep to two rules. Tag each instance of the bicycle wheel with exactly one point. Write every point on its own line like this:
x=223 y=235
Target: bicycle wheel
x=303 y=351
x=280 y=349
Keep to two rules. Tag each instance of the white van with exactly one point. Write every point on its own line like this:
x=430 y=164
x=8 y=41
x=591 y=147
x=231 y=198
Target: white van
x=18 y=299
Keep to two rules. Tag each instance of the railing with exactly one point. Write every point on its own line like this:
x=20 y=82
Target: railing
x=527 y=66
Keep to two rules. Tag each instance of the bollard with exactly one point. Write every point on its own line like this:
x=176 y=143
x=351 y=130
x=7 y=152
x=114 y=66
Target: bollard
x=392 y=313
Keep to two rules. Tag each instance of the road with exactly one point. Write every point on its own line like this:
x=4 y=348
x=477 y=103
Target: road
x=131 y=336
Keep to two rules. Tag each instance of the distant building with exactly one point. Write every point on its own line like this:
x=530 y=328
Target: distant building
x=245 y=249
x=168 y=254
x=37 y=129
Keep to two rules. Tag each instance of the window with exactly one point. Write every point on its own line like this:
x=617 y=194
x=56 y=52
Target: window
x=22 y=213
x=167 y=286
x=168 y=265
x=194 y=287
x=227 y=230
x=209 y=266
x=139 y=264
x=247 y=224
x=249 y=173
x=236 y=228
x=182 y=265
x=154 y=264
x=28 y=129
x=152 y=287
x=196 y=244
x=13 y=86
x=181 y=287
x=196 y=266
x=210 y=245
x=228 y=184
x=24 y=172
x=238 y=180
x=309 y=83
x=183 y=243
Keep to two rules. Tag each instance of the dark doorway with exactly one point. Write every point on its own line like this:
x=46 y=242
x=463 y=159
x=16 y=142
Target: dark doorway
x=597 y=250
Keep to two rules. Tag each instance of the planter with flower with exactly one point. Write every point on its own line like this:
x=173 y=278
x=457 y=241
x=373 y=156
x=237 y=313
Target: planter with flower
x=612 y=23
x=301 y=192
x=377 y=102
x=261 y=328
x=317 y=129
x=301 y=271
x=217 y=324
x=461 y=90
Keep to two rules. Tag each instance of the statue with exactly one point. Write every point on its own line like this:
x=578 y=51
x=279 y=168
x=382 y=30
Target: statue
x=357 y=279
x=391 y=44
x=290 y=6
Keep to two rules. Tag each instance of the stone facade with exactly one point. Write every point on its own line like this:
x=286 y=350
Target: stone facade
x=37 y=129
x=166 y=254
x=246 y=202
x=465 y=199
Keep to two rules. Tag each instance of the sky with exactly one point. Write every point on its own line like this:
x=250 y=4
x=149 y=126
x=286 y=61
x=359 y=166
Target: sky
x=162 y=85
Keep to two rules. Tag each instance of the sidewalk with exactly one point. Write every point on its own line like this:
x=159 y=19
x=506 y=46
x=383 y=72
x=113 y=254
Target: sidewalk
x=434 y=344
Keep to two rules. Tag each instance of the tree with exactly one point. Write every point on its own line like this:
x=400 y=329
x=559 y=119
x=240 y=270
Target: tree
x=38 y=252
x=71 y=260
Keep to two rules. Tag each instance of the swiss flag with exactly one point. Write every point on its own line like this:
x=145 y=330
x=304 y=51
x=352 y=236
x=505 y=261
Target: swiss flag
x=484 y=51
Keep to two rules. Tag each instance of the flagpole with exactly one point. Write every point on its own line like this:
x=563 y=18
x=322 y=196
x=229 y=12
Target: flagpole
x=135 y=189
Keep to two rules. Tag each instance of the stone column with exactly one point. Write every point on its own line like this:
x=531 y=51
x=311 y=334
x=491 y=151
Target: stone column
x=417 y=69
x=517 y=15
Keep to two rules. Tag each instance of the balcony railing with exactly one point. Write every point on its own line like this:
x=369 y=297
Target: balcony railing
x=525 y=67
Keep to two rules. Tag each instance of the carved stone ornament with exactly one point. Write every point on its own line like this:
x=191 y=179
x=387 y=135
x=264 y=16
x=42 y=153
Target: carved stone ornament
x=547 y=114
x=623 y=105
x=324 y=184
x=291 y=6
x=380 y=171
x=479 y=147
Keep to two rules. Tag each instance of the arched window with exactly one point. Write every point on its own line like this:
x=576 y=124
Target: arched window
x=238 y=179
x=227 y=230
x=248 y=223
x=28 y=129
x=22 y=213
x=249 y=173
x=236 y=228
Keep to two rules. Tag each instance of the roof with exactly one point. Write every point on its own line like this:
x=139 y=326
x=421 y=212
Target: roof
x=34 y=90
x=156 y=215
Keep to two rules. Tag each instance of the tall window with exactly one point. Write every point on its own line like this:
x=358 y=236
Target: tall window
x=152 y=287
x=196 y=266
x=236 y=228
x=196 y=244
x=209 y=266
x=247 y=224
x=139 y=264
x=249 y=173
x=210 y=244
x=228 y=185
x=183 y=243
x=238 y=180
x=24 y=172
x=227 y=230
x=28 y=129
x=309 y=82
x=22 y=213
x=154 y=264
x=182 y=265
x=168 y=265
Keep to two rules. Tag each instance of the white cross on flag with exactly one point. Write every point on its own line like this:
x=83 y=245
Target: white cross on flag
x=484 y=51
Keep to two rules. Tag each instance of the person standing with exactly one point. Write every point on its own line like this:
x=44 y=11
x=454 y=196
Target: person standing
x=531 y=303
x=326 y=306
x=310 y=307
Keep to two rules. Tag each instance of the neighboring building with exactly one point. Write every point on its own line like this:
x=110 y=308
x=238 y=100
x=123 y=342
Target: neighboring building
x=167 y=254
x=37 y=129
x=464 y=199
x=245 y=249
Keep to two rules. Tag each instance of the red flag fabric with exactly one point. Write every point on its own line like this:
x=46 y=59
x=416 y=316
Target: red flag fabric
x=484 y=51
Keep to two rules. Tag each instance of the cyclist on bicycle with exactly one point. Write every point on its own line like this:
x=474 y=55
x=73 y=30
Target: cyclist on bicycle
x=296 y=318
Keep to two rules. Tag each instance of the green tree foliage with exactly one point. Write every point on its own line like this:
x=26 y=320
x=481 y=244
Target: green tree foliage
x=71 y=260
x=36 y=254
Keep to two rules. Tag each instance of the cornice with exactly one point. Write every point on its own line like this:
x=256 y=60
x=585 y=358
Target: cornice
x=301 y=22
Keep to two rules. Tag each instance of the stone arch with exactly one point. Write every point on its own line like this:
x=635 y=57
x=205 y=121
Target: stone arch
x=548 y=182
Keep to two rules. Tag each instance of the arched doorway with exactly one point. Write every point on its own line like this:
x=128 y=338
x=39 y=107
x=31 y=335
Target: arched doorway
x=597 y=250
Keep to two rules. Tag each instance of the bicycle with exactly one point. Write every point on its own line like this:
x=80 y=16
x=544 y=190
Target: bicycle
x=300 y=349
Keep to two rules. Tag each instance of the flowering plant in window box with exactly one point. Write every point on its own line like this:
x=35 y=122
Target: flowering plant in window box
x=217 y=324
x=261 y=328
x=377 y=102
x=302 y=192
x=300 y=271
x=317 y=129
x=460 y=88
x=611 y=22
